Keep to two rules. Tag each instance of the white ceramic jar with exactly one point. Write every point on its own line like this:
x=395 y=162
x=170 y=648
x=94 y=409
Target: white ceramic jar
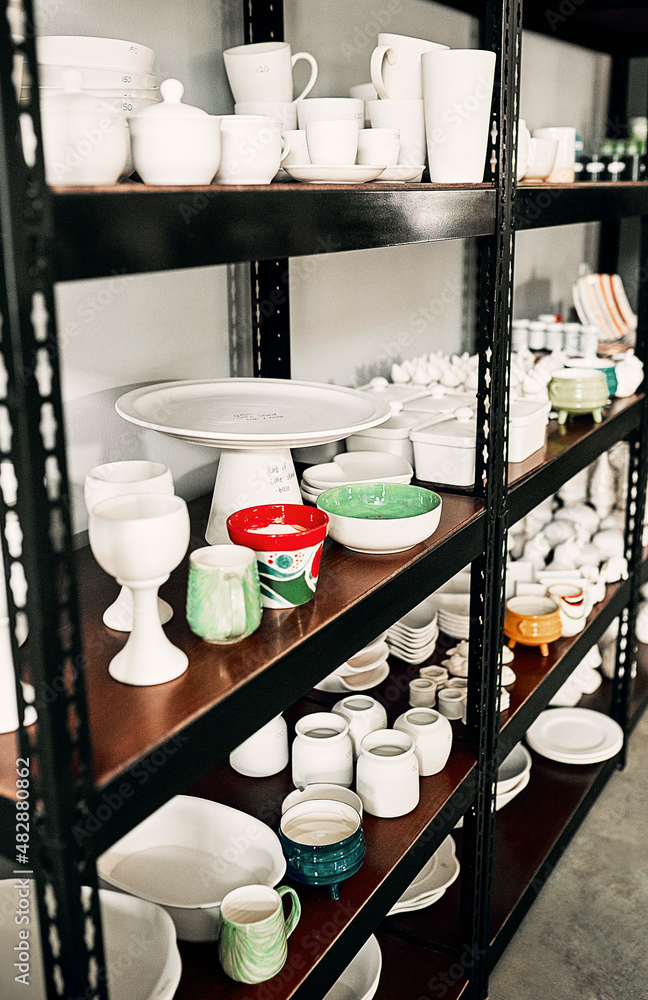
x=432 y=736
x=364 y=715
x=265 y=752
x=387 y=780
x=322 y=750
x=175 y=143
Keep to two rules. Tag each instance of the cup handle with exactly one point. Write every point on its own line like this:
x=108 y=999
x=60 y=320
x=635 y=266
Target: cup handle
x=285 y=147
x=237 y=606
x=295 y=912
x=377 y=57
x=314 y=71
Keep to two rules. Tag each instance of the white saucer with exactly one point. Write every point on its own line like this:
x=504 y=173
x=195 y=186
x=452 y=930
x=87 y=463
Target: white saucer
x=403 y=172
x=575 y=736
x=336 y=684
x=325 y=173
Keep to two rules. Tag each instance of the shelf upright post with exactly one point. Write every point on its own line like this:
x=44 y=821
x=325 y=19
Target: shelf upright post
x=501 y=31
x=636 y=501
x=37 y=548
x=269 y=279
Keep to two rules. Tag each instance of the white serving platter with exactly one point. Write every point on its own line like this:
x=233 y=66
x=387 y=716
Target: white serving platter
x=142 y=958
x=187 y=855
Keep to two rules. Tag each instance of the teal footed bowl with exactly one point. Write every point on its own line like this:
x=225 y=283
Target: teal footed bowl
x=316 y=857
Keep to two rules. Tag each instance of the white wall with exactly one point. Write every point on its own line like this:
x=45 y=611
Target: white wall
x=351 y=313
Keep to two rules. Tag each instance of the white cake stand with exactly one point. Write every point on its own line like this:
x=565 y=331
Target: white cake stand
x=255 y=422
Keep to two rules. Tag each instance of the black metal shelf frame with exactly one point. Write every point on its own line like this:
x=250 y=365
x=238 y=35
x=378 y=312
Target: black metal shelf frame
x=94 y=237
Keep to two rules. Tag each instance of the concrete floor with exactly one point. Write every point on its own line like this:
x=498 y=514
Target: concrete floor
x=586 y=935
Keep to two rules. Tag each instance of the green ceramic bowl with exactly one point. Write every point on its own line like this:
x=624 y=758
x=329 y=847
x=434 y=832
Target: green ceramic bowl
x=380 y=517
x=574 y=390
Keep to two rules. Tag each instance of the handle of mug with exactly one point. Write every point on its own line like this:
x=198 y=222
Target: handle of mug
x=237 y=606
x=314 y=71
x=295 y=911
x=377 y=58
x=285 y=147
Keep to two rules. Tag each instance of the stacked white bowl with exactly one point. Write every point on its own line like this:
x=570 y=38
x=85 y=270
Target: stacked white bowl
x=413 y=638
x=452 y=602
x=354 y=467
x=84 y=82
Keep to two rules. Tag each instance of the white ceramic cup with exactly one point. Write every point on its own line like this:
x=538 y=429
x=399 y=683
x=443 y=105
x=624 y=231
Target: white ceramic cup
x=409 y=118
x=458 y=89
x=298 y=153
x=264 y=753
x=396 y=66
x=263 y=71
x=562 y=171
x=573 y=606
x=542 y=156
x=285 y=111
x=328 y=109
x=523 y=149
x=422 y=692
x=322 y=750
x=334 y=142
x=432 y=735
x=451 y=702
x=253 y=149
x=388 y=774
x=366 y=92
x=379 y=146
x=83 y=146
x=364 y=715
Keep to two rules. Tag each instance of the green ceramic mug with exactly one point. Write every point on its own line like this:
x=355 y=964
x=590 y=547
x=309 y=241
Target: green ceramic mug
x=223 y=596
x=253 y=943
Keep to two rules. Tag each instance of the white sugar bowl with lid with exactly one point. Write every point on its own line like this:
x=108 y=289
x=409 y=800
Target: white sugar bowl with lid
x=387 y=780
x=175 y=143
x=85 y=138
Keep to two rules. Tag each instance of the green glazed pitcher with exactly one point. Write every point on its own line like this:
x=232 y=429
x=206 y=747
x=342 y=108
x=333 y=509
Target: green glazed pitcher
x=253 y=944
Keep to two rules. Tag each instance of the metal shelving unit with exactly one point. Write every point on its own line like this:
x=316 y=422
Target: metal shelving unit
x=94 y=734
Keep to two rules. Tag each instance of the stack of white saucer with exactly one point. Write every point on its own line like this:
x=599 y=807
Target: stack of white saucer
x=413 y=638
x=354 y=467
x=360 y=672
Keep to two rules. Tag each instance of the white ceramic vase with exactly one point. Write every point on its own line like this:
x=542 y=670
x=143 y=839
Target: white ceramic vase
x=387 y=780
x=432 y=735
x=265 y=752
x=322 y=750
x=364 y=715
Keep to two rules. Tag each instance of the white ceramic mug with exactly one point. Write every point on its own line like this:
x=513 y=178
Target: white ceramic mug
x=263 y=71
x=328 y=109
x=253 y=149
x=451 y=702
x=298 y=153
x=388 y=774
x=542 y=156
x=422 y=692
x=458 y=89
x=285 y=111
x=379 y=146
x=562 y=171
x=396 y=66
x=364 y=715
x=264 y=753
x=523 y=149
x=322 y=750
x=409 y=118
x=332 y=142
x=573 y=605
x=432 y=735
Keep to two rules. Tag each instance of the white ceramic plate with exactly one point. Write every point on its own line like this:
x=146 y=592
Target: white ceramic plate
x=434 y=878
x=322 y=173
x=335 y=684
x=252 y=412
x=360 y=979
x=187 y=855
x=414 y=647
x=127 y=921
x=402 y=172
x=366 y=659
x=575 y=736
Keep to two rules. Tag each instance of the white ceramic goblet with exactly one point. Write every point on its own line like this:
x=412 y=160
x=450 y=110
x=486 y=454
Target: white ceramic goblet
x=116 y=479
x=139 y=539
